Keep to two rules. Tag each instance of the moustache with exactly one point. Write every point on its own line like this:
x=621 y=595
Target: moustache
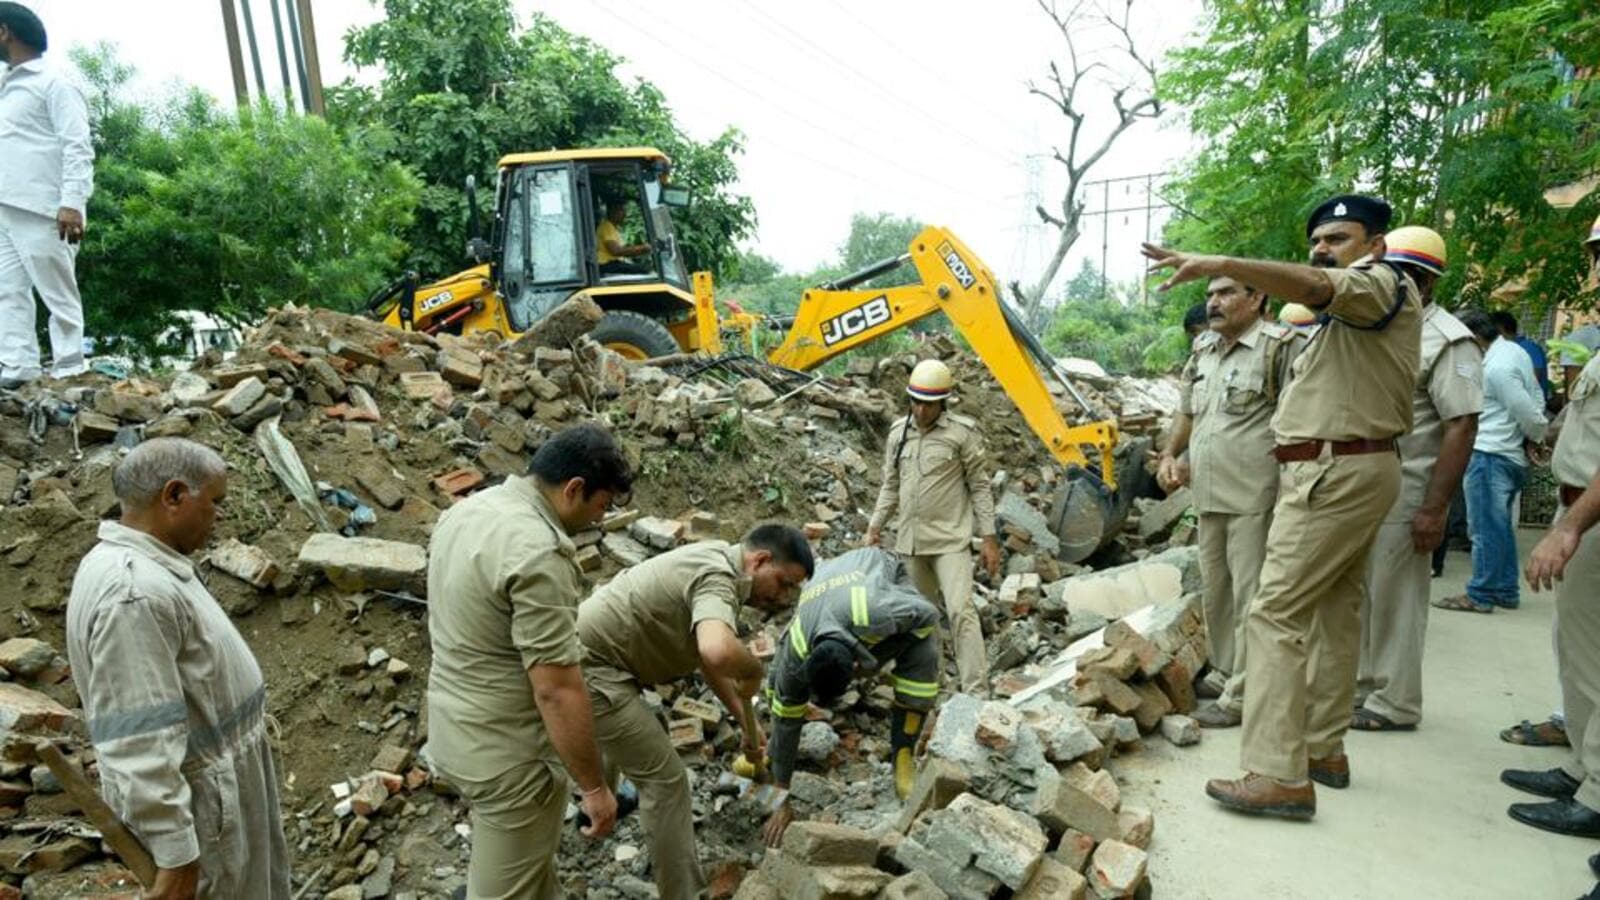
x=1324 y=261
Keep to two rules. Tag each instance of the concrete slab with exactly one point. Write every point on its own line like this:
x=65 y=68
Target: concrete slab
x=1425 y=813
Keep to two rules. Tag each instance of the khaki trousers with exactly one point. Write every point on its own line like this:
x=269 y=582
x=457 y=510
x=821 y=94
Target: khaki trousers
x=1232 y=549
x=516 y=831
x=1306 y=618
x=1578 y=660
x=1394 y=626
x=634 y=744
x=948 y=577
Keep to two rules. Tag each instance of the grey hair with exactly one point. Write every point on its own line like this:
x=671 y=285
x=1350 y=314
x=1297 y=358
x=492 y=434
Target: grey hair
x=141 y=475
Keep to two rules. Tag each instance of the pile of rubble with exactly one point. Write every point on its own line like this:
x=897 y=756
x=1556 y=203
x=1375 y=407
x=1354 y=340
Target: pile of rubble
x=345 y=440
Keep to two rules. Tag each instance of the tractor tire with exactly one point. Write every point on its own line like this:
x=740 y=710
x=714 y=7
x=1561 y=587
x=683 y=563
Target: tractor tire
x=634 y=335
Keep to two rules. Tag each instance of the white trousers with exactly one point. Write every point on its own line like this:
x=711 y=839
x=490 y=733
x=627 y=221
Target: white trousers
x=34 y=257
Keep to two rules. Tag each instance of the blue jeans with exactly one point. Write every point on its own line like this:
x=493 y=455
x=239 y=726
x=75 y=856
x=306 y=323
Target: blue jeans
x=1493 y=483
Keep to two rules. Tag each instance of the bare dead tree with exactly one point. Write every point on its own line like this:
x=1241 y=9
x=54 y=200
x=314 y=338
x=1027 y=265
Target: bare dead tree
x=1066 y=91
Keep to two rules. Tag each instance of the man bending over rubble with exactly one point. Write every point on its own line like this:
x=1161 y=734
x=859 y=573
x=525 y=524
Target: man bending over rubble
x=661 y=621
x=507 y=707
x=175 y=701
x=859 y=612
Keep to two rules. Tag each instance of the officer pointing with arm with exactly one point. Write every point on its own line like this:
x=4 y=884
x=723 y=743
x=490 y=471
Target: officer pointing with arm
x=1338 y=474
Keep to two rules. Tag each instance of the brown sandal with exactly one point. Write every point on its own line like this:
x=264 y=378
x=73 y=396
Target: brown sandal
x=1463 y=603
x=1548 y=733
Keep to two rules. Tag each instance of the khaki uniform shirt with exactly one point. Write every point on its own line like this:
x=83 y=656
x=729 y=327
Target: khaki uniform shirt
x=1230 y=394
x=503 y=591
x=938 y=483
x=1351 y=382
x=176 y=708
x=643 y=621
x=1449 y=385
x=1577 y=454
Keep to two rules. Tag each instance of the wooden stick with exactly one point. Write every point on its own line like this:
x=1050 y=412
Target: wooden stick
x=123 y=842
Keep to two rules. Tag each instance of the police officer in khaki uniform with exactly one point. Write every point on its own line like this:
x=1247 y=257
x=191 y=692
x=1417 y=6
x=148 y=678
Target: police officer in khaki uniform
x=936 y=476
x=1230 y=388
x=660 y=621
x=507 y=706
x=1569 y=558
x=1335 y=430
x=1433 y=456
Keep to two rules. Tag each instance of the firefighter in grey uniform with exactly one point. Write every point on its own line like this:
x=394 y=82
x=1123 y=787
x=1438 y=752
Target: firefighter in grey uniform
x=859 y=612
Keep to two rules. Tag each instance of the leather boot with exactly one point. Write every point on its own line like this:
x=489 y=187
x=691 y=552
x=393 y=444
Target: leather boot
x=1332 y=771
x=1263 y=796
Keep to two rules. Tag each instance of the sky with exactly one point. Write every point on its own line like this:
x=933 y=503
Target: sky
x=917 y=109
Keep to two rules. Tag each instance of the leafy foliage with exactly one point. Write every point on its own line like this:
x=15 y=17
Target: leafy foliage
x=463 y=85
x=1112 y=328
x=195 y=209
x=1462 y=113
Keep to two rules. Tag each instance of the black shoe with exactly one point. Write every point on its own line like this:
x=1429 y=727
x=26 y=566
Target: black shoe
x=1594 y=893
x=1559 y=816
x=1594 y=865
x=1553 y=783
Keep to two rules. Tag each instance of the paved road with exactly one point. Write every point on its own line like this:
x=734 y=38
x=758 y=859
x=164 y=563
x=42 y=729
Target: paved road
x=1424 y=816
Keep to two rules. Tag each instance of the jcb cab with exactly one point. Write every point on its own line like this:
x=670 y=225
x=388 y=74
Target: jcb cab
x=550 y=209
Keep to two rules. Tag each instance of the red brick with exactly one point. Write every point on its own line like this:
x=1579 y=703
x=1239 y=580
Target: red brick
x=458 y=482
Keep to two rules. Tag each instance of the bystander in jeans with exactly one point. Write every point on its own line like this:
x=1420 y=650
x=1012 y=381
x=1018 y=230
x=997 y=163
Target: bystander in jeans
x=1512 y=420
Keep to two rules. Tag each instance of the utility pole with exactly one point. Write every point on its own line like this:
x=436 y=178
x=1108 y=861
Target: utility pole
x=308 y=39
x=230 y=28
x=1152 y=202
x=255 y=51
x=283 y=54
x=299 y=58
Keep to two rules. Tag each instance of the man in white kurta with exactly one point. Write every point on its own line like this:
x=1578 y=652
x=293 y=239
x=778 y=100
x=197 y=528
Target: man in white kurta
x=174 y=699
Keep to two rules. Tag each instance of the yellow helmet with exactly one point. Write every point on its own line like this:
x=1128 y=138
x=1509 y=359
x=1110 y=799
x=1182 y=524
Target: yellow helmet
x=1594 y=232
x=930 y=380
x=1297 y=314
x=1417 y=246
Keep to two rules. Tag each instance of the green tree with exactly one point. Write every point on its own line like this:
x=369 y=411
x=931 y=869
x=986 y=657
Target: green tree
x=878 y=236
x=1462 y=113
x=463 y=85
x=196 y=209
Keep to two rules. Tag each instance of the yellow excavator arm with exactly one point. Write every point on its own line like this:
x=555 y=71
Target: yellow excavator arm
x=834 y=319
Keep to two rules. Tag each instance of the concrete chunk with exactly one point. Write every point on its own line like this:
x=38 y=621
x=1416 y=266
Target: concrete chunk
x=1074 y=850
x=653 y=531
x=1061 y=804
x=239 y=398
x=1138 y=826
x=914 y=886
x=22 y=709
x=364 y=564
x=1054 y=881
x=819 y=844
x=1182 y=731
x=938 y=782
x=998 y=725
x=249 y=564
x=1002 y=842
x=793 y=879
x=1116 y=870
x=26 y=656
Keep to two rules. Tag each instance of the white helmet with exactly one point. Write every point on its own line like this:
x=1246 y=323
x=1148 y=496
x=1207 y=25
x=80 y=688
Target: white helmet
x=930 y=381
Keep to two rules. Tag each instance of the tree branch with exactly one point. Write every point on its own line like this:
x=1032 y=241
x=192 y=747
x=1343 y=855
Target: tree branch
x=1130 y=102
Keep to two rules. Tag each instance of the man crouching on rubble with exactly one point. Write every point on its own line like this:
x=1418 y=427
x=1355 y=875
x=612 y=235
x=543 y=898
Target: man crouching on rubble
x=663 y=620
x=175 y=701
x=860 y=612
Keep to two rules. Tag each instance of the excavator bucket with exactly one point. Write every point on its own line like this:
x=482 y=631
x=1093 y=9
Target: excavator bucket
x=1085 y=514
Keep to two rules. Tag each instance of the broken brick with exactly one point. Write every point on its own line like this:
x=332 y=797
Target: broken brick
x=249 y=564
x=458 y=482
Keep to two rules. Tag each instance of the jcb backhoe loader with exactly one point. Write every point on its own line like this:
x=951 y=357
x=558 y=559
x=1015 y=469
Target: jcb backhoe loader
x=547 y=244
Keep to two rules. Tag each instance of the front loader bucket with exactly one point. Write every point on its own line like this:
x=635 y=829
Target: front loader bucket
x=1086 y=514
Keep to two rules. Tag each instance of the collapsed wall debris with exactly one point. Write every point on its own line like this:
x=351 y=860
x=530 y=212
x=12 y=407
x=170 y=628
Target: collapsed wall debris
x=345 y=441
